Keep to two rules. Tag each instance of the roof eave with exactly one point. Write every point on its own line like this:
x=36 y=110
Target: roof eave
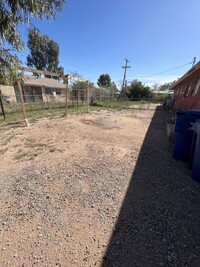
x=186 y=75
x=42 y=85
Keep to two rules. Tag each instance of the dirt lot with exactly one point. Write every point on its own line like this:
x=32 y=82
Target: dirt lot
x=92 y=190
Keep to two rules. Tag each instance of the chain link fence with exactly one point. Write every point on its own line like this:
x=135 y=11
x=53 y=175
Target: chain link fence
x=78 y=101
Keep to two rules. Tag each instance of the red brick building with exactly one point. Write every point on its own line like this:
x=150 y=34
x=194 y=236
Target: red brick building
x=187 y=90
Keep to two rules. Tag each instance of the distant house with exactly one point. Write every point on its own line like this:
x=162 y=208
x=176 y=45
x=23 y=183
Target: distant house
x=8 y=94
x=187 y=90
x=38 y=88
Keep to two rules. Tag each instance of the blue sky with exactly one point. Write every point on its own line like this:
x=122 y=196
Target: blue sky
x=95 y=36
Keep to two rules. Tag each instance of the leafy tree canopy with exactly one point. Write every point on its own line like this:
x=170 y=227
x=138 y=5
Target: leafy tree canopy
x=75 y=74
x=82 y=85
x=163 y=87
x=104 y=80
x=138 y=90
x=78 y=85
x=44 y=52
x=19 y=12
x=167 y=86
x=113 y=87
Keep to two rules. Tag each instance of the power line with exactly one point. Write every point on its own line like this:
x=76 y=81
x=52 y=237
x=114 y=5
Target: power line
x=146 y=76
x=125 y=68
x=159 y=73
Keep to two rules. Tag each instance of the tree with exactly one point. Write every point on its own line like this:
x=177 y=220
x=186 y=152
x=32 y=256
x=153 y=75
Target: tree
x=44 y=52
x=78 y=85
x=163 y=87
x=112 y=89
x=167 y=86
x=81 y=86
x=14 y=13
x=138 y=90
x=155 y=87
x=75 y=74
x=104 y=80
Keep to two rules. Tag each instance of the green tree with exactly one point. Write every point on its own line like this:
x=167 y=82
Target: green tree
x=81 y=86
x=167 y=86
x=155 y=87
x=78 y=85
x=104 y=80
x=138 y=90
x=44 y=52
x=164 y=86
x=14 y=13
x=112 y=89
x=75 y=74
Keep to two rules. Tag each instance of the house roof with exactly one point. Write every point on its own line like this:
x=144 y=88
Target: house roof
x=187 y=75
x=40 y=81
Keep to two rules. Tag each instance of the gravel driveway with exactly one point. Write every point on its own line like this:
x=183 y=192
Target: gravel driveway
x=99 y=189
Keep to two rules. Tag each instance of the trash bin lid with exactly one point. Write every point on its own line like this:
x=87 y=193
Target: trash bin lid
x=191 y=112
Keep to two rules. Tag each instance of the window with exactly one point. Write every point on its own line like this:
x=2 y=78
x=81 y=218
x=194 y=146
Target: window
x=48 y=91
x=187 y=89
x=58 y=91
x=196 y=88
x=177 y=92
x=182 y=91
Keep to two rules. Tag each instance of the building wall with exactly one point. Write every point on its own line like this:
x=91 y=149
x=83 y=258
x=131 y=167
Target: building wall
x=187 y=94
x=9 y=92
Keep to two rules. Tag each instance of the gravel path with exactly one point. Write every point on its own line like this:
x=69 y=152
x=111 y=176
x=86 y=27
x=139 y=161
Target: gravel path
x=158 y=224
x=86 y=191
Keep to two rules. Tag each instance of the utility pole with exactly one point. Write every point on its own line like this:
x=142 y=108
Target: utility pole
x=194 y=61
x=124 y=78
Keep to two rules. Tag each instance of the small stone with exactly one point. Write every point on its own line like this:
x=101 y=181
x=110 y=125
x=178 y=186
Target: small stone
x=169 y=258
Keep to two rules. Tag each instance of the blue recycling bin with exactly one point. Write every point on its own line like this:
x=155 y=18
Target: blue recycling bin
x=192 y=151
x=196 y=158
x=183 y=135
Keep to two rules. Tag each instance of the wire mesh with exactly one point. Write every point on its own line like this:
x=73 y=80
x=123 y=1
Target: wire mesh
x=78 y=101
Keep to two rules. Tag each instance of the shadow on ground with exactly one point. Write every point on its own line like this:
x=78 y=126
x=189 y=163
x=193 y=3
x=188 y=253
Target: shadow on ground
x=159 y=221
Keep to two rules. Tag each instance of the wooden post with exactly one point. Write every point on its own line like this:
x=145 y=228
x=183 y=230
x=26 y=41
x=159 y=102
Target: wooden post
x=77 y=95
x=88 y=98
x=22 y=101
x=148 y=103
x=66 y=81
x=2 y=108
x=47 y=102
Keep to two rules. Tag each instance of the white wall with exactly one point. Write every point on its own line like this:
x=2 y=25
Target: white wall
x=8 y=90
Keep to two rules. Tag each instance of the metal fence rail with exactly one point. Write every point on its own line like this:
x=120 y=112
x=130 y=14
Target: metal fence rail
x=37 y=106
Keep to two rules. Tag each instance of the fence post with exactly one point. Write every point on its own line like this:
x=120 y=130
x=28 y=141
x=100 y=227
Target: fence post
x=77 y=96
x=23 y=104
x=66 y=80
x=47 y=101
x=88 y=97
x=2 y=108
x=148 y=103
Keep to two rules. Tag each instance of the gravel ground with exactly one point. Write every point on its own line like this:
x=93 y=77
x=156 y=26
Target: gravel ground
x=96 y=190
